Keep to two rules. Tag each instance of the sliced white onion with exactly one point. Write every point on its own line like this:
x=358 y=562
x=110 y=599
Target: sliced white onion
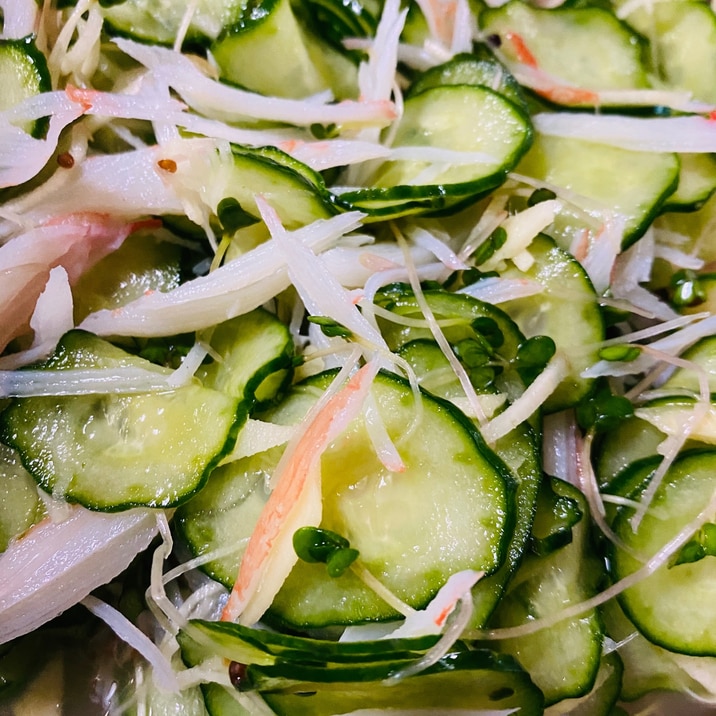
x=377 y=76
x=438 y=247
x=537 y=392
x=497 y=290
x=162 y=670
x=87 y=381
x=56 y=564
x=222 y=101
x=521 y=230
x=19 y=18
x=21 y=155
x=641 y=134
x=231 y=290
x=319 y=290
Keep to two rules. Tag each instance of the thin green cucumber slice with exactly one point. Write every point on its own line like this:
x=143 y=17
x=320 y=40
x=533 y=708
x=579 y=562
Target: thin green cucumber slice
x=399 y=522
x=247 y=645
x=672 y=606
x=491 y=132
x=567 y=311
x=634 y=439
x=159 y=23
x=607 y=182
x=294 y=63
x=468 y=681
x=23 y=74
x=565 y=43
x=605 y=693
x=647 y=667
x=114 y=451
x=697 y=182
x=297 y=193
x=519 y=451
x=20 y=505
x=255 y=357
x=557 y=514
x=682 y=38
x=141 y=264
x=563 y=660
x=471 y=69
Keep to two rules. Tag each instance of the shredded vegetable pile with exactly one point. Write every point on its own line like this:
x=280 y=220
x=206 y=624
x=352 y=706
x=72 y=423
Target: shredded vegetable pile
x=357 y=358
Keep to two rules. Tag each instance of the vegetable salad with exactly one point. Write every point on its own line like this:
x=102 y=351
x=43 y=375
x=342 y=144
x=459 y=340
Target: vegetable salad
x=357 y=358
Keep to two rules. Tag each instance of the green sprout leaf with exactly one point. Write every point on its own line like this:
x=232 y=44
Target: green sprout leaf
x=232 y=216
x=686 y=288
x=533 y=355
x=702 y=545
x=330 y=327
x=316 y=545
x=603 y=410
x=486 y=249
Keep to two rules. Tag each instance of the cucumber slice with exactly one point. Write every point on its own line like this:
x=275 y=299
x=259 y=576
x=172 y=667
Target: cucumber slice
x=634 y=439
x=399 y=523
x=567 y=311
x=682 y=35
x=294 y=63
x=112 y=452
x=318 y=678
x=520 y=453
x=647 y=667
x=703 y=355
x=671 y=607
x=256 y=357
x=565 y=42
x=471 y=69
x=247 y=645
x=563 y=660
x=297 y=193
x=23 y=74
x=159 y=23
x=456 y=118
x=697 y=182
x=556 y=516
x=601 y=700
x=20 y=505
x=608 y=180
x=471 y=681
x=141 y=264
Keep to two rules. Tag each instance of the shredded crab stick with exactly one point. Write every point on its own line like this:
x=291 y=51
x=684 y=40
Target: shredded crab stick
x=294 y=502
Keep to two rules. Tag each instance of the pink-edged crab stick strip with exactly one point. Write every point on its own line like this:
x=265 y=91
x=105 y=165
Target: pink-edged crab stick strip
x=294 y=502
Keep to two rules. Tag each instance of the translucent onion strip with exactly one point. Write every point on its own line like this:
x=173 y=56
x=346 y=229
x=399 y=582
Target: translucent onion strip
x=643 y=134
x=229 y=291
x=161 y=668
x=56 y=564
x=222 y=101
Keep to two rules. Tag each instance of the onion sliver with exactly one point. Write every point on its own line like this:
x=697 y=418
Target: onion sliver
x=56 y=564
